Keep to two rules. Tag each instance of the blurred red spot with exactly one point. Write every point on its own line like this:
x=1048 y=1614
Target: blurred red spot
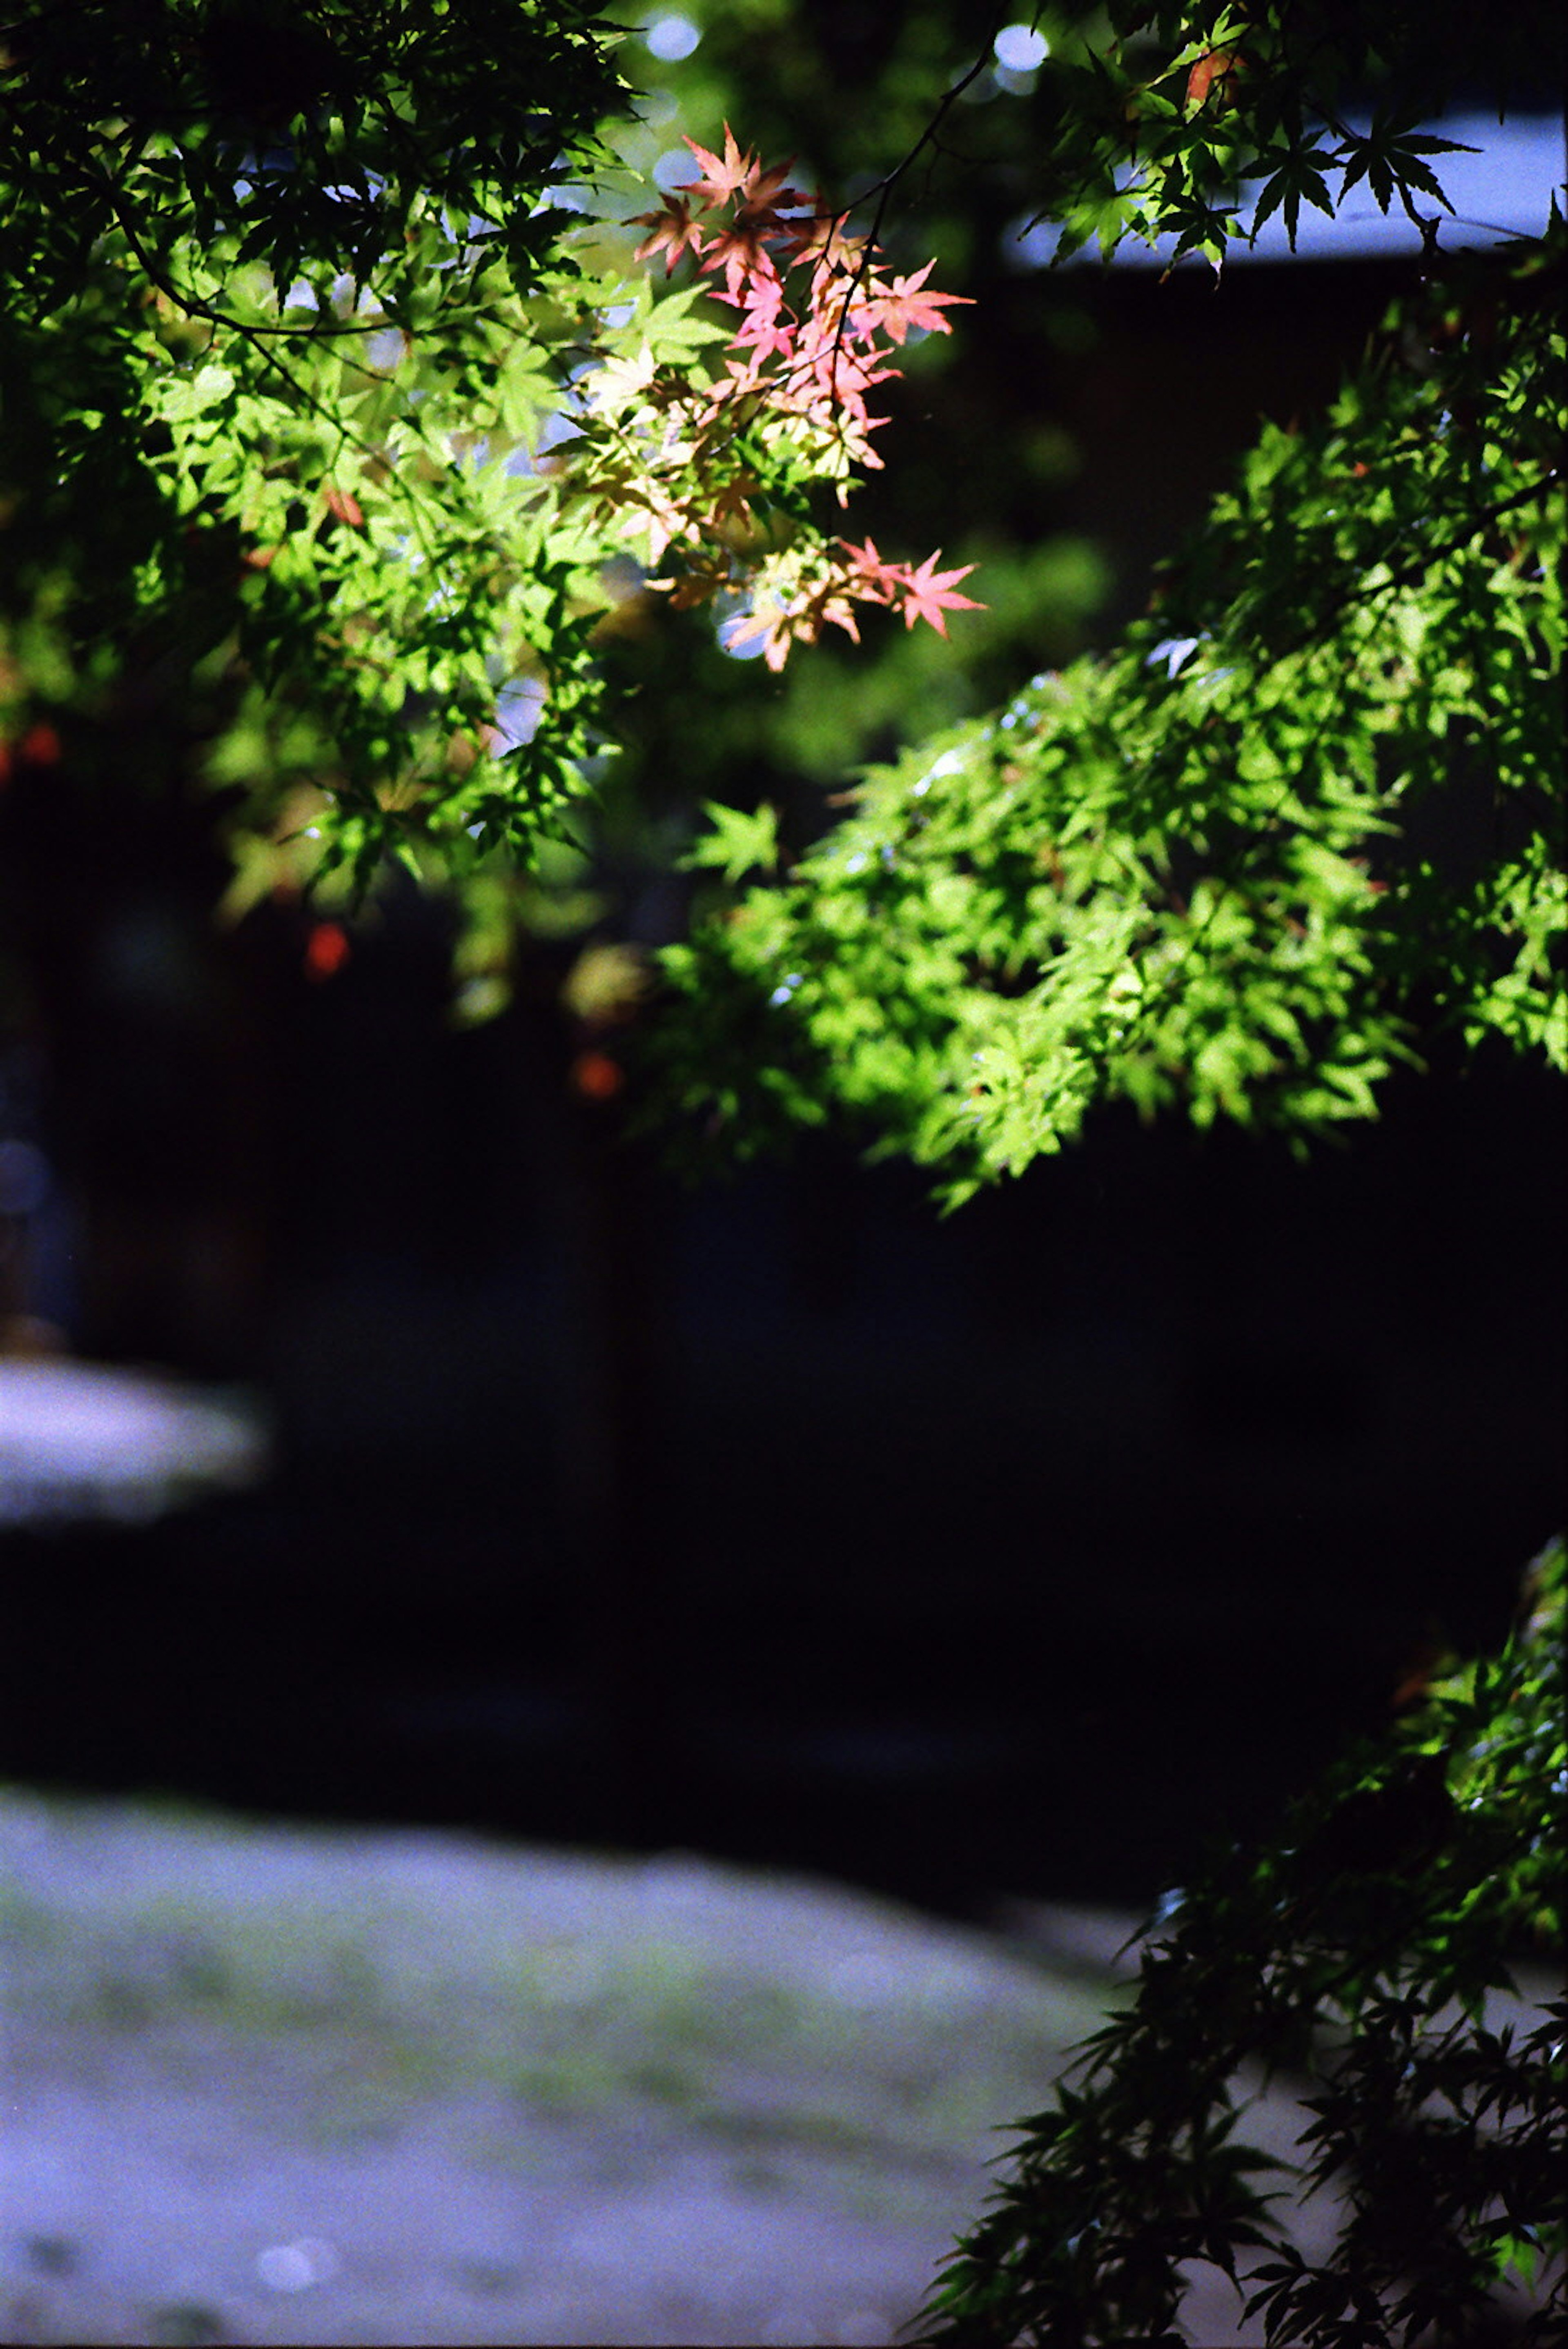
x=596 y=1076
x=326 y=949
x=40 y=745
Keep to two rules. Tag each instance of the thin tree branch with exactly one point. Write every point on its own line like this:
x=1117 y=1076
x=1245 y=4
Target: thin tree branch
x=883 y=189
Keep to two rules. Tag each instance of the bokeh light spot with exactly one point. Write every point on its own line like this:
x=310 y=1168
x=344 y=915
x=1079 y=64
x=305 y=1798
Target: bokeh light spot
x=1021 y=49
x=671 y=36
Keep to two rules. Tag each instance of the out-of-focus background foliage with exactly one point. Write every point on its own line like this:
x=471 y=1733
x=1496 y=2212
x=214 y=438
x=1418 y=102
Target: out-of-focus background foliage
x=1019 y=1552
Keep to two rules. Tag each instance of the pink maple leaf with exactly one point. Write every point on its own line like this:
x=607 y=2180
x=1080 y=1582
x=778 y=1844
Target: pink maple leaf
x=874 y=577
x=929 y=592
x=766 y=325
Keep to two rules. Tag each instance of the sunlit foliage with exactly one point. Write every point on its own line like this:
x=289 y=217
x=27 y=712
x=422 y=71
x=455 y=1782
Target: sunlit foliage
x=338 y=405
x=1308 y=810
x=1220 y=866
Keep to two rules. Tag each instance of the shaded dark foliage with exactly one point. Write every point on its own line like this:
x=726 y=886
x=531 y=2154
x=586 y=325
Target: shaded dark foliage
x=1359 y=1950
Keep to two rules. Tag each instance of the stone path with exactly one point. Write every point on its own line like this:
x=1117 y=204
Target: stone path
x=269 y=2084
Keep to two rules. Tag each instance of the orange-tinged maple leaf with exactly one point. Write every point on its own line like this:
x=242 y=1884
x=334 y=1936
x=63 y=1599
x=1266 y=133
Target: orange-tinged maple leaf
x=736 y=174
x=763 y=197
x=828 y=367
x=742 y=380
x=674 y=232
x=822 y=233
x=666 y=519
x=698 y=586
x=343 y=506
x=731 y=510
x=770 y=191
x=929 y=592
x=1209 y=77
x=722 y=176
x=828 y=606
x=741 y=252
x=902 y=306
x=766 y=623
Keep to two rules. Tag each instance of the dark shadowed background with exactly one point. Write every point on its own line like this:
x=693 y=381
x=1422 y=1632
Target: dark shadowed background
x=1016 y=1551
x=775 y=1517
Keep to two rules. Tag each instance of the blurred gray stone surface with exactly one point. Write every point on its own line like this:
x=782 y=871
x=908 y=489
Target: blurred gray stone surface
x=267 y=2084
x=83 y=1440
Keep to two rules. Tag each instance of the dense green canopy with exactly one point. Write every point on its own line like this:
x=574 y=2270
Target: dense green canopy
x=267 y=279
x=340 y=416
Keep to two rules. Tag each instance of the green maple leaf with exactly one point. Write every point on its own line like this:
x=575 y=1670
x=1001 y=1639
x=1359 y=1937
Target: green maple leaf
x=1390 y=157
x=1297 y=177
x=738 y=843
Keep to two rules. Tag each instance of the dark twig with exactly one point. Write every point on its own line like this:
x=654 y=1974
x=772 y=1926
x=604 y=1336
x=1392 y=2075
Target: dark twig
x=883 y=189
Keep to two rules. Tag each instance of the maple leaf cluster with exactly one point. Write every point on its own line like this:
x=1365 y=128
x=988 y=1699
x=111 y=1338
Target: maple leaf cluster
x=713 y=473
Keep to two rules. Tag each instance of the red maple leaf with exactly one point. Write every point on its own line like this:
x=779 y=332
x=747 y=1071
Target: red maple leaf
x=928 y=592
x=816 y=359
